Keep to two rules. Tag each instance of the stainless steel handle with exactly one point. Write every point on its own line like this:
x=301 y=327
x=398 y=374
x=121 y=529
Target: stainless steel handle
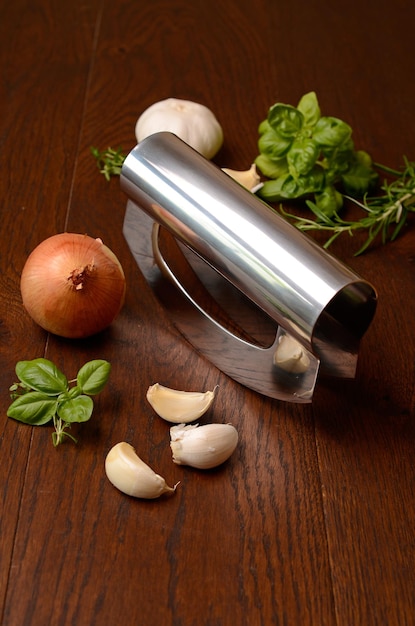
x=284 y=272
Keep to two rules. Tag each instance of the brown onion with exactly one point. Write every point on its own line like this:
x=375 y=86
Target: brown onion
x=72 y=285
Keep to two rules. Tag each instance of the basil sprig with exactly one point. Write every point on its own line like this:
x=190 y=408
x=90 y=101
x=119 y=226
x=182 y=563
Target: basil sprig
x=304 y=154
x=44 y=394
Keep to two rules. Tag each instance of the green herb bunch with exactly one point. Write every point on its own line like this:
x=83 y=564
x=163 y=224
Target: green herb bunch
x=44 y=394
x=305 y=154
x=384 y=215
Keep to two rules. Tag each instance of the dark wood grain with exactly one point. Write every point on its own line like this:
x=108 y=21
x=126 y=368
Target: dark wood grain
x=312 y=520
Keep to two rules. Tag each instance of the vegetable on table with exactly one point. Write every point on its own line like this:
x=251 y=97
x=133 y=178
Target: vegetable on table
x=307 y=156
x=203 y=447
x=178 y=406
x=128 y=473
x=44 y=394
x=304 y=153
x=192 y=122
x=73 y=285
x=249 y=179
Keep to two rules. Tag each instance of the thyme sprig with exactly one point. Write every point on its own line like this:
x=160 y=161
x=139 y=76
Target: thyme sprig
x=385 y=214
x=109 y=161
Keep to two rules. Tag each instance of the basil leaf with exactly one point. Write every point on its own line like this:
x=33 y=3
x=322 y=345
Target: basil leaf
x=302 y=156
x=330 y=131
x=42 y=375
x=76 y=410
x=273 y=145
x=271 y=168
x=338 y=159
x=93 y=376
x=285 y=120
x=271 y=190
x=34 y=408
x=358 y=179
x=309 y=107
x=343 y=152
x=364 y=158
x=263 y=127
x=329 y=201
x=287 y=187
x=74 y=392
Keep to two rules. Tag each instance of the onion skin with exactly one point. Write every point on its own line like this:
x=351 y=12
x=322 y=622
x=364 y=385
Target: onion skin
x=72 y=285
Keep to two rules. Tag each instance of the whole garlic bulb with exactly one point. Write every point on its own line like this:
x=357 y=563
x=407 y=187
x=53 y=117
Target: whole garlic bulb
x=192 y=122
x=126 y=471
x=203 y=447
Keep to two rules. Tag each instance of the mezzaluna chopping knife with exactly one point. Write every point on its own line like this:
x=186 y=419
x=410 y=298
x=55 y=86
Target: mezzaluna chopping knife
x=201 y=239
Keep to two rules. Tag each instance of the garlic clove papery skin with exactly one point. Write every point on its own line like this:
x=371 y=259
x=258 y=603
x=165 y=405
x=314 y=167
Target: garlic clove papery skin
x=192 y=122
x=203 y=447
x=179 y=407
x=128 y=473
x=291 y=356
x=247 y=178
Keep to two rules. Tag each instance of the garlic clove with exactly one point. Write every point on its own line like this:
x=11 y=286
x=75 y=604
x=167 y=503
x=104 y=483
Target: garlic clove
x=192 y=122
x=128 y=473
x=179 y=407
x=247 y=178
x=291 y=356
x=203 y=447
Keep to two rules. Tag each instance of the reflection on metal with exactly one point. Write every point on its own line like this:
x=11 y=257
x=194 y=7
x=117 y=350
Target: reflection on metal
x=190 y=225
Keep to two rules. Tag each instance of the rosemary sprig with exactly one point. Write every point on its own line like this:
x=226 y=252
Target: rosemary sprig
x=109 y=161
x=385 y=214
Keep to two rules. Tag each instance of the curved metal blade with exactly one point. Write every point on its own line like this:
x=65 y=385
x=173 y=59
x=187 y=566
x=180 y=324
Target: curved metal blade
x=203 y=322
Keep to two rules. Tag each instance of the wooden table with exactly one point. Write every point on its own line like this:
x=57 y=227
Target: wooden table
x=312 y=520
